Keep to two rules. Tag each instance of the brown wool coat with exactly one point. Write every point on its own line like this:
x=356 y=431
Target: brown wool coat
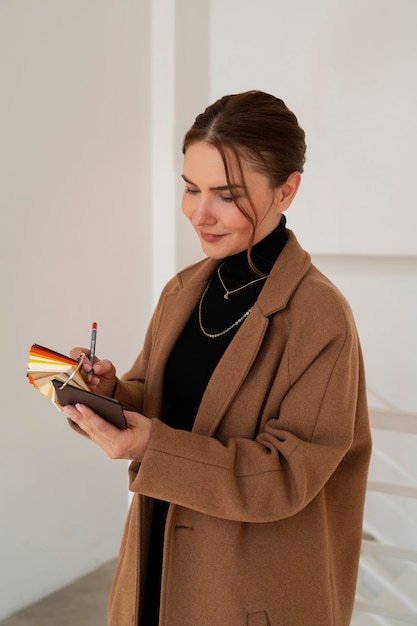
x=267 y=491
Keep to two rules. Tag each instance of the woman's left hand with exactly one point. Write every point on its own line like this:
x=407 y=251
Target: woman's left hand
x=117 y=444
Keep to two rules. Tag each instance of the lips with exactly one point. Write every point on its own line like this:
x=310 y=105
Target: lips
x=210 y=238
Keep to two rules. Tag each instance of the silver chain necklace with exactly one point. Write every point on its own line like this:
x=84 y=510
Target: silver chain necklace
x=230 y=291
x=226 y=330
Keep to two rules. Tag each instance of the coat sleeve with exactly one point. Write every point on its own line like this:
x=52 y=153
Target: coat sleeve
x=129 y=388
x=319 y=433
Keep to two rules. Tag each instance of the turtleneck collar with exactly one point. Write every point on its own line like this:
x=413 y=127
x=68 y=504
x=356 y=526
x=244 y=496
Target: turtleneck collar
x=264 y=254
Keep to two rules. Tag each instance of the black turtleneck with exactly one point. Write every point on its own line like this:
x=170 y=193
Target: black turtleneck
x=193 y=361
x=195 y=355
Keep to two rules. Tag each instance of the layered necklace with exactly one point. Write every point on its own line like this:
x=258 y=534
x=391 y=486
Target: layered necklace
x=230 y=291
x=226 y=295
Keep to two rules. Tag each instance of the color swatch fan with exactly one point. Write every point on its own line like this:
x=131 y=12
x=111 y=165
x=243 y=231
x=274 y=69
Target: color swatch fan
x=45 y=365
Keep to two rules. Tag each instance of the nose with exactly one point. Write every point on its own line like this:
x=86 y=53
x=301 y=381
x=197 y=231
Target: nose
x=203 y=212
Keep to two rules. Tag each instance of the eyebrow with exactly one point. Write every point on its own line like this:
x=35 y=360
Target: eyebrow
x=219 y=188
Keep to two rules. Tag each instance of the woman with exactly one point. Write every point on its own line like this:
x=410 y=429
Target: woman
x=248 y=428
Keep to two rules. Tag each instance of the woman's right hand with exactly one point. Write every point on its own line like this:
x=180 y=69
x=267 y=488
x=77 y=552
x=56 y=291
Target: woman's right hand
x=104 y=373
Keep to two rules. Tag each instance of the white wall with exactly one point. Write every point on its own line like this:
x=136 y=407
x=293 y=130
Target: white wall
x=348 y=71
x=75 y=232
x=85 y=94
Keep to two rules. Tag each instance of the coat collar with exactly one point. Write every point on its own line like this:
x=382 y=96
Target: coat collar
x=288 y=271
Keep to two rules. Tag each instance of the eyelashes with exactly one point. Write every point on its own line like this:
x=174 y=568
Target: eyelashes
x=224 y=198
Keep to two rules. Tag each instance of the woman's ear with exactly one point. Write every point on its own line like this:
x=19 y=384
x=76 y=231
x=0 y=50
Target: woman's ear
x=287 y=191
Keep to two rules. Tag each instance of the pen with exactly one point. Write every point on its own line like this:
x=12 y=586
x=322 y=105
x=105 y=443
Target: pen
x=92 y=348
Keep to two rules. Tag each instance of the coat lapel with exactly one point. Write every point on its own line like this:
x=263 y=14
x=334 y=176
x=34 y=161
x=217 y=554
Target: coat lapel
x=174 y=311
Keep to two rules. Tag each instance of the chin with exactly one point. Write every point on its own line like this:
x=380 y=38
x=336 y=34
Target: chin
x=211 y=254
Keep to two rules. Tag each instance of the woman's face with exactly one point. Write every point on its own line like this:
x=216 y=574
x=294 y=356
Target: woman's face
x=221 y=227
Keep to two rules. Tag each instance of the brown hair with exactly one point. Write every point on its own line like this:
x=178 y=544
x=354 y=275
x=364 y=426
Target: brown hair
x=258 y=128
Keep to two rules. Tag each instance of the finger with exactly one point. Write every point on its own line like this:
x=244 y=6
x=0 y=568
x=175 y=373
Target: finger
x=87 y=366
x=75 y=353
x=95 y=426
x=104 y=368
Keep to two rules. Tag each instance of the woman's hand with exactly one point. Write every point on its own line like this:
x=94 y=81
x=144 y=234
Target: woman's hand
x=128 y=444
x=104 y=376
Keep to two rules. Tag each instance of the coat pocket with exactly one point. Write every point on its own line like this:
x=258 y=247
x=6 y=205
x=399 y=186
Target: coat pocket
x=258 y=619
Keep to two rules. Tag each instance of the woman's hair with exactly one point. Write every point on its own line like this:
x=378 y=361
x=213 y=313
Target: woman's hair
x=254 y=127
